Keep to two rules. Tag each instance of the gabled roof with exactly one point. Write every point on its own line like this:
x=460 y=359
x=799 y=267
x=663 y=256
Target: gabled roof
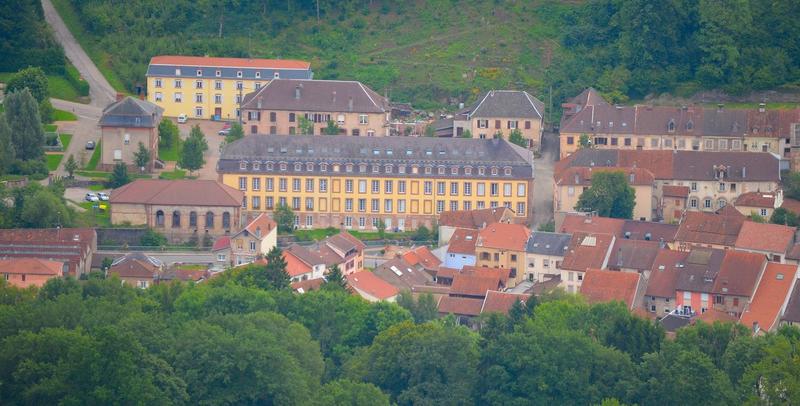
x=316 y=95
x=675 y=191
x=296 y=257
x=186 y=275
x=31 y=266
x=756 y=199
x=577 y=223
x=545 y=243
x=774 y=238
x=701 y=267
x=401 y=274
x=131 y=113
x=712 y=315
x=775 y=284
x=365 y=281
x=423 y=257
x=217 y=62
x=664 y=273
x=587 y=251
x=474 y=219
x=463 y=306
x=463 y=241
x=135 y=265
x=338 y=247
x=649 y=230
x=582 y=175
x=505 y=236
x=633 y=254
x=221 y=243
x=307 y=285
x=177 y=193
x=604 y=286
x=501 y=302
x=303 y=254
x=739 y=273
x=792 y=312
x=710 y=228
x=506 y=103
x=259 y=227
x=477 y=281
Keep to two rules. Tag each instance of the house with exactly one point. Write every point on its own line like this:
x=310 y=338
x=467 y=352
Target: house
x=342 y=250
x=544 y=252
x=582 y=223
x=501 y=302
x=665 y=128
x=282 y=106
x=360 y=183
x=221 y=250
x=25 y=272
x=712 y=230
x=255 y=239
x=502 y=245
x=137 y=269
x=674 y=201
x=72 y=246
x=764 y=312
x=303 y=264
x=501 y=112
x=759 y=203
x=445 y=275
x=649 y=231
x=214 y=86
x=307 y=285
x=605 y=286
x=371 y=288
x=476 y=219
x=695 y=283
x=179 y=209
x=124 y=125
x=461 y=248
x=633 y=255
x=422 y=259
x=402 y=275
x=661 y=284
x=585 y=251
x=468 y=292
x=184 y=275
x=771 y=240
x=736 y=282
x=791 y=316
x=573 y=181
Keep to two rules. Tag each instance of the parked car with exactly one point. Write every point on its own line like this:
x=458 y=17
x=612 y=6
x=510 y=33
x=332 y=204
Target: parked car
x=91 y=197
x=90 y=145
x=224 y=131
x=182 y=118
x=102 y=196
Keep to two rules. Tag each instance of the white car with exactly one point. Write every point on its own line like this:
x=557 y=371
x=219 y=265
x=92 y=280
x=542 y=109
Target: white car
x=91 y=197
x=182 y=118
x=102 y=196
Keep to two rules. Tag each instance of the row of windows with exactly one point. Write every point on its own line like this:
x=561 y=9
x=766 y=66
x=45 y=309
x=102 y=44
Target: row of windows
x=176 y=219
x=386 y=186
x=199 y=84
x=364 y=205
x=375 y=168
x=707 y=203
x=708 y=144
x=177 y=83
x=198 y=98
x=510 y=124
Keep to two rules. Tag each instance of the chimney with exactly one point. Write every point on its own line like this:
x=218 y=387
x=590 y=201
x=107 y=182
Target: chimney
x=120 y=96
x=461 y=105
x=762 y=107
x=333 y=97
x=744 y=172
x=297 y=91
x=350 y=104
x=258 y=104
x=141 y=96
x=720 y=107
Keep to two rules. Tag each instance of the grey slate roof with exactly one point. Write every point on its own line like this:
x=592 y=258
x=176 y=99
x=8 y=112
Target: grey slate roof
x=131 y=113
x=700 y=270
x=507 y=103
x=546 y=243
x=742 y=166
x=316 y=95
x=792 y=312
x=342 y=149
x=304 y=254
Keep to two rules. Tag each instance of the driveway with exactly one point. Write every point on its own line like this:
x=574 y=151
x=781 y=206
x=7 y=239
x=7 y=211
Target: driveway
x=543 y=182
x=100 y=91
x=83 y=130
x=210 y=129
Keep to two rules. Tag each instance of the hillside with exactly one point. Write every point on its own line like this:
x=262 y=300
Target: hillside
x=435 y=53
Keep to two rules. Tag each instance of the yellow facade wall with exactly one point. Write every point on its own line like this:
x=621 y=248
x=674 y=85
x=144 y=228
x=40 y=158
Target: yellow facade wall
x=165 y=95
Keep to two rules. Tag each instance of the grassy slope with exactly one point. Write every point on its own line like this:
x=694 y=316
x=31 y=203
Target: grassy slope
x=58 y=87
x=432 y=51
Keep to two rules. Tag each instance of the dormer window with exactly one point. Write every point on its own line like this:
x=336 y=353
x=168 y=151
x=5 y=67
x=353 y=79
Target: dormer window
x=239 y=74
x=256 y=166
x=454 y=170
x=276 y=75
x=690 y=125
x=323 y=167
x=309 y=166
x=428 y=170
x=177 y=72
x=258 y=75
x=348 y=168
x=362 y=168
x=242 y=165
x=467 y=170
x=494 y=171
x=441 y=170
x=401 y=169
x=481 y=171
x=671 y=126
x=269 y=166
x=199 y=72
x=283 y=166
x=298 y=167
x=218 y=73
x=376 y=168
x=507 y=171
x=388 y=168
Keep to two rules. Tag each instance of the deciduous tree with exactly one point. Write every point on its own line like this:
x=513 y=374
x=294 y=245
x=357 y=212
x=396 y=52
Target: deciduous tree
x=284 y=216
x=22 y=115
x=142 y=156
x=609 y=195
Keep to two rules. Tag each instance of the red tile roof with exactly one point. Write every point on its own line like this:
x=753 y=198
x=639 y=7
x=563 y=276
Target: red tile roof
x=370 y=284
x=423 y=257
x=512 y=237
x=261 y=225
x=307 y=285
x=31 y=266
x=791 y=204
x=475 y=284
x=484 y=271
x=134 y=266
x=756 y=199
x=710 y=228
x=294 y=265
x=460 y=305
x=712 y=315
x=586 y=251
x=664 y=273
x=582 y=175
x=501 y=302
x=463 y=241
x=738 y=273
x=675 y=191
x=767 y=237
x=765 y=308
x=222 y=243
x=474 y=219
x=605 y=286
x=576 y=223
x=217 y=62
x=177 y=193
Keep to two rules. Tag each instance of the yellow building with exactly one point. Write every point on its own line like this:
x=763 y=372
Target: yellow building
x=206 y=88
x=359 y=182
x=572 y=182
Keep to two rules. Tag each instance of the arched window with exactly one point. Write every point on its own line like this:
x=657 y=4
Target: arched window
x=193 y=219
x=209 y=220
x=176 y=219
x=690 y=125
x=159 y=218
x=226 y=220
x=671 y=126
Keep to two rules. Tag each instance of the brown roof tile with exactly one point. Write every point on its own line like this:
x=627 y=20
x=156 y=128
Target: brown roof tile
x=587 y=251
x=766 y=237
x=675 y=191
x=261 y=225
x=604 y=286
x=460 y=305
x=307 y=285
x=463 y=241
x=792 y=312
x=649 y=230
x=710 y=228
x=712 y=315
x=664 y=273
x=791 y=204
x=739 y=273
x=756 y=199
x=177 y=193
x=474 y=219
x=582 y=175
x=765 y=308
x=372 y=285
x=504 y=236
x=423 y=257
x=633 y=254
x=576 y=223
x=474 y=284
x=701 y=267
x=501 y=302
x=316 y=95
x=31 y=266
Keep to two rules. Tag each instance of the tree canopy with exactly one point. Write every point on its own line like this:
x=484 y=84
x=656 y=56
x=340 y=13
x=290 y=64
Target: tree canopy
x=609 y=195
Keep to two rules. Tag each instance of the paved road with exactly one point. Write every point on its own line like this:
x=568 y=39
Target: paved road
x=543 y=183
x=83 y=130
x=211 y=130
x=169 y=258
x=100 y=91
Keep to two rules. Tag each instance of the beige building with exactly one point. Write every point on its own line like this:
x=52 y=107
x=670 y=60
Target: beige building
x=573 y=181
x=475 y=219
x=502 y=245
x=179 y=209
x=254 y=240
x=759 y=203
x=585 y=251
x=503 y=111
x=281 y=106
x=544 y=253
x=137 y=269
x=124 y=125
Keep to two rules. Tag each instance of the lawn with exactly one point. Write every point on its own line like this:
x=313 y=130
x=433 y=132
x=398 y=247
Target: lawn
x=50 y=128
x=65 y=140
x=95 y=158
x=321 y=233
x=97 y=188
x=169 y=154
x=57 y=86
x=94 y=174
x=176 y=174
x=53 y=160
x=95 y=217
x=61 y=115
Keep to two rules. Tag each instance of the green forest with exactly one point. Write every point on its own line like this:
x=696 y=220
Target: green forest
x=435 y=52
x=245 y=338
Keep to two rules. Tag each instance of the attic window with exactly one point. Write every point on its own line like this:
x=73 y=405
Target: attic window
x=199 y=72
x=242 y=165
x=441 y=170
x=277 y=75
x=690 y=125
x=218 y=73
x=348 y=168
x=494 y=171
x=468 y=170
x=239 y=74
x=309 y=166
x=428 y=170
x=323 y=167
x=258 y=75
x=507 y=171
x=362 y=168
x=298 y=167
x=671 y=126
x=283 y=166
x=256 y=166
x=409 y=151
x=269 y=166
x=454 y=170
